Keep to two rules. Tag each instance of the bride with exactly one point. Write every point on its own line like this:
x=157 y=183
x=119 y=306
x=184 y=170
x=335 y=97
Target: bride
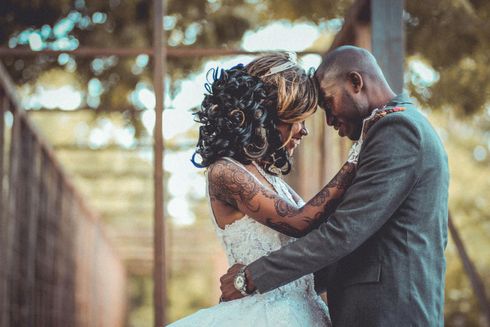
x=252 y=121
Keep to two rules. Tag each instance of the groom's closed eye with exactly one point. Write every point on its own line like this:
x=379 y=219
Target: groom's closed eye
x=321 y=102
x=331 y=120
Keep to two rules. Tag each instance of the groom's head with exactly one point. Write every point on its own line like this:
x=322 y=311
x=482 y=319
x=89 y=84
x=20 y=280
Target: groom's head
x=351 y=86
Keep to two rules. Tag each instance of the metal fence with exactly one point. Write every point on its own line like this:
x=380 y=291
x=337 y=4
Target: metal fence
x=56 y=265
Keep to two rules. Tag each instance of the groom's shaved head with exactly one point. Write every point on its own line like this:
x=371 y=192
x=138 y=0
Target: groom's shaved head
x=351 y=84
x=338 y=63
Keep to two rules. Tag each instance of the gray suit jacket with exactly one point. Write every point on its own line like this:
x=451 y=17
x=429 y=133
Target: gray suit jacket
x=383 y=248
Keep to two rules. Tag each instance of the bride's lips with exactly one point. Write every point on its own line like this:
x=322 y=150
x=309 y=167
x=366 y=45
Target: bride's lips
x=295 y=141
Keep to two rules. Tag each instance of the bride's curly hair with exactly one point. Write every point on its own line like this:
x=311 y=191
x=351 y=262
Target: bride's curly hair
x=242 y=109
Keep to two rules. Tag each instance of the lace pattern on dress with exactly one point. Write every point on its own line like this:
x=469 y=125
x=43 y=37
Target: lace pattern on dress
x=246 y=240
x=294 y=304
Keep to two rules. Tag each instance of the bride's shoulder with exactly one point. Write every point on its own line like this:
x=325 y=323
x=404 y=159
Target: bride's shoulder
x=222 y=164
x=222 y=168
x=227 y=171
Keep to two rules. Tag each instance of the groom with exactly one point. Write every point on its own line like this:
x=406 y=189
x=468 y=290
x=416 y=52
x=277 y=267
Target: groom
x=381 y=254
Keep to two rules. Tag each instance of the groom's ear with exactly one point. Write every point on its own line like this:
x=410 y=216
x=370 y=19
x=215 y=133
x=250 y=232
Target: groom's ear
x=356 y=81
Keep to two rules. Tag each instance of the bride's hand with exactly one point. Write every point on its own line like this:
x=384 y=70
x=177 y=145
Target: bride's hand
x=366 y=126
x=375 y=116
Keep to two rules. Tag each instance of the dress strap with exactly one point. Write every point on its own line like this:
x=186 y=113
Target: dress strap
x=239 y=164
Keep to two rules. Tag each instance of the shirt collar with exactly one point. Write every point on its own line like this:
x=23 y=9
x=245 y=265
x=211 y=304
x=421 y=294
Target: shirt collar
x=402 y=98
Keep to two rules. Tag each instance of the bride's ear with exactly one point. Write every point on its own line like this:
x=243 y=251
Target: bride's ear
x=355 y=80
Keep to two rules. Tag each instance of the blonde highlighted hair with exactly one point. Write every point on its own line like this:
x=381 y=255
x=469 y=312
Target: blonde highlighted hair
x=240 y=113
x=297 y=92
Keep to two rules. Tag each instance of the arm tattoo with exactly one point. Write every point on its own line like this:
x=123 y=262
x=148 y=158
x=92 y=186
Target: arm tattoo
x=290 y=230
x=327 y=199
x=320 y=198
x=230 y=184
x=344 y=177
x=284 y=208
x=284 y=228
x=227 y=181
x=330 y=196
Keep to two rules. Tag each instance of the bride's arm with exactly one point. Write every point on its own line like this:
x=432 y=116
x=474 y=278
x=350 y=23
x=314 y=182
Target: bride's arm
x=237 y=187
x=240 y=189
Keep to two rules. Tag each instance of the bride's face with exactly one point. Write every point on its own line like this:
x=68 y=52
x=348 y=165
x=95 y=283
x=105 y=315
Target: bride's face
x=298 y=130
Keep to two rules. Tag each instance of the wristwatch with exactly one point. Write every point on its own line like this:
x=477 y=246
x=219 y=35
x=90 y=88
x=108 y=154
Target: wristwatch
x=240 y=281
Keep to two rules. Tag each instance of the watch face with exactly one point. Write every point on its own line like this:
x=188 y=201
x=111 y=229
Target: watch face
x=239 y=282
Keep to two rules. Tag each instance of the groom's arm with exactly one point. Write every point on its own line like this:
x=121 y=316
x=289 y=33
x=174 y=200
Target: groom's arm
x=387 y=171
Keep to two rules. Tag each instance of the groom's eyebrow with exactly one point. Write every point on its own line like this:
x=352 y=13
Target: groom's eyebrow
x=326 y=103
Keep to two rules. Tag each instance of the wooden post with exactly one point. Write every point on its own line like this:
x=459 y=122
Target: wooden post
x=388 y=39
x=159 y=276
x=475 y=279
x=133 y=52
x=11 y=214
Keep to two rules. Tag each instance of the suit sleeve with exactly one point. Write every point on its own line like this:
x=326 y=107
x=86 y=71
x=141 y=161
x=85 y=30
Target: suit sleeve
x=387 y=171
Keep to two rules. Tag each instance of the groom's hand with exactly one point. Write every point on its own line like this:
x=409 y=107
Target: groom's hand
x=228 y=290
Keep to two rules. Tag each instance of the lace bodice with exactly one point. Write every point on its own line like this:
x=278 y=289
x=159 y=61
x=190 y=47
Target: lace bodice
x=246 y=240
x=293 y=305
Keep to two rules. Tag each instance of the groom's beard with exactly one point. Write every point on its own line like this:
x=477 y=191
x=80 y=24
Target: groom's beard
x=357 y=132
x=355 y=120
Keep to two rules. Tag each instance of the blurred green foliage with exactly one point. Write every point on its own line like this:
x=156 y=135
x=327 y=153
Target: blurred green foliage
x=461 y=28
x=453 y=37
x=469 y=202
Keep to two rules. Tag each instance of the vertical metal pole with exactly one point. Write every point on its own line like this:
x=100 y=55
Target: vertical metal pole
x=388 y=39
x=159 y=55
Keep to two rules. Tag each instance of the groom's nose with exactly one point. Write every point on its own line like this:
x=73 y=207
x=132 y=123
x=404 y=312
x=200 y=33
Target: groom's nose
x=329 y=119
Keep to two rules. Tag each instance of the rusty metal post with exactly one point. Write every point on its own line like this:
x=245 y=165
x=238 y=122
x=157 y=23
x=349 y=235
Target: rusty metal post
x=159 y=56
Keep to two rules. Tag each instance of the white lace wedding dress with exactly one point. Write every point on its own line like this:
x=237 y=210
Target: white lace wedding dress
x=294 y=305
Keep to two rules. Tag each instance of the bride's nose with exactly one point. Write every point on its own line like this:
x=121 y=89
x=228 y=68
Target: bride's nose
x=304 y=131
